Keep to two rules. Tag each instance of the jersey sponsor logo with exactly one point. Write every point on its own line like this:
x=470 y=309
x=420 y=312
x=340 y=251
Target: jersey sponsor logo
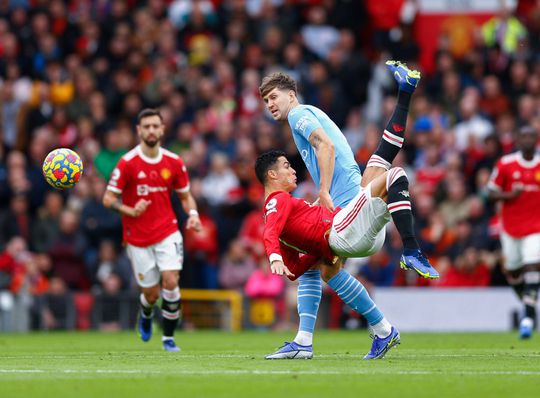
x=144 y=189
x=141 y=174
x=165 y=173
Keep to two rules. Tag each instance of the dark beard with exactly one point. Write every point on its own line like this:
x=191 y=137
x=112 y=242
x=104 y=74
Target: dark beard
x=151 y=144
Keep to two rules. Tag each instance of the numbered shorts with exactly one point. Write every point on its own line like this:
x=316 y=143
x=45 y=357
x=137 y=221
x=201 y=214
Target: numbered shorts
x=520 y=251
x=148 y=262
x=358 y=230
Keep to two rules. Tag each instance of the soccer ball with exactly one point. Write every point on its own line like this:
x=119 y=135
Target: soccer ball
x=62 y=168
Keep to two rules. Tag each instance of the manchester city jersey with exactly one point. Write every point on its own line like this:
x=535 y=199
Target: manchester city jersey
x=303 y=119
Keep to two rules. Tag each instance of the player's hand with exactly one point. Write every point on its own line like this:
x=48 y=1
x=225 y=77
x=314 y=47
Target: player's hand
x=140 y=207
x=326 y=201
x=516 y=191
x=194 y=223
x=279 y=268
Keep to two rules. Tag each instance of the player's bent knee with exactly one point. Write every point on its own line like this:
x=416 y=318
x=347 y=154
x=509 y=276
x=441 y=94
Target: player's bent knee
x=151 y=294
x=329 y=271
x=394 y=174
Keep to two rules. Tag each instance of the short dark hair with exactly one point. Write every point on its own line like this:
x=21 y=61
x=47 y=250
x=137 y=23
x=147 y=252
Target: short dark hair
x=278 y=79
x=147 y=112
x=265 y=162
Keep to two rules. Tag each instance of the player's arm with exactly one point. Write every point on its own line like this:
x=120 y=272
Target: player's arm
x=325 y=151
x=190 y=207
x=277 y=212
x=495 y=184
x=113 y=201
x=504 y=196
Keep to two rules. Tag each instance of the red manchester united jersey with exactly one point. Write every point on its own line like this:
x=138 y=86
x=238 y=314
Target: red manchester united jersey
x=295 y=224
x=136 y=177
x=520 y=216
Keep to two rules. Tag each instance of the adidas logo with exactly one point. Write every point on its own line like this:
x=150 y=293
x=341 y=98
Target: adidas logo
x=141 y=174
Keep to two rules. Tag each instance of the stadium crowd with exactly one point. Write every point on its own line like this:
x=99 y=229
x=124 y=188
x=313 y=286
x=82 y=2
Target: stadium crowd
x=76 y=73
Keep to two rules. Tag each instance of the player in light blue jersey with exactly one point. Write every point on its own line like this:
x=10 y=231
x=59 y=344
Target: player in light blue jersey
x=331 y=163
x=342 y=181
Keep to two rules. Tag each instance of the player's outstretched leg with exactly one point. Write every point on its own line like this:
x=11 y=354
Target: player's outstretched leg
x=355 y=295
x=399 y=206
x=146 y=315
x=380 y=346
x=394 y=133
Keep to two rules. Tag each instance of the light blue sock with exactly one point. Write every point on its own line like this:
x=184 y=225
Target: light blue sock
x=355 y=295
x=309 y=298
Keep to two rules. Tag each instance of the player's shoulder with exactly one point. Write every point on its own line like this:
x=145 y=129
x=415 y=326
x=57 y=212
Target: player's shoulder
x=169 y=154
x=508 y=160
x=130 y=155
x=275 y=198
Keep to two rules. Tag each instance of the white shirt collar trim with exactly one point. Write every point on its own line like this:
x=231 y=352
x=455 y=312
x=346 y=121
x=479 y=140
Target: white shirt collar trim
x=147 y=159
x=528 y=163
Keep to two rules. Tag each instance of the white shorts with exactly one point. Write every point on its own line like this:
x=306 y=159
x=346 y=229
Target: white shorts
x=358 y=230
x=148 y=262
x=520 y=251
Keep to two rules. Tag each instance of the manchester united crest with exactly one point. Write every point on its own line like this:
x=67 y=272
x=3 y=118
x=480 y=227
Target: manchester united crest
x=165 y=173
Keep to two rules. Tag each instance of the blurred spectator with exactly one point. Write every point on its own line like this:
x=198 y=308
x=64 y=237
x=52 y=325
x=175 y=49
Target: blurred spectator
x=13 y=264
x=468 y=271
x=379 y=270
x=67 y=251
x=46 y=225
x=110 y=154
x=236 y=266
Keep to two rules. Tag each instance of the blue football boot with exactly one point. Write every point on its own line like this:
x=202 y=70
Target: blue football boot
x=170 y=346
x=144 y=327
x=414 y=259
x=526 y=327
x=380 y=346
x=406 y=78
x=292 y=350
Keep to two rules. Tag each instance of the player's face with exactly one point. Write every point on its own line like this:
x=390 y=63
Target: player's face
x=150 y=130
x=286 y=174
x=278 y=102
x=528 y=141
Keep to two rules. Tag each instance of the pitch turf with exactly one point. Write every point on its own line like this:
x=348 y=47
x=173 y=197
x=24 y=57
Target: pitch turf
x=220 y=364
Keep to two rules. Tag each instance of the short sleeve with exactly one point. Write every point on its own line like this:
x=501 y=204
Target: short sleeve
x=303 y=122
x=119 y=176
x=496 y=180
x=181 y=181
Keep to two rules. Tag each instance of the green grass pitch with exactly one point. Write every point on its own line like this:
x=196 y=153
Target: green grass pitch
x=221 y=364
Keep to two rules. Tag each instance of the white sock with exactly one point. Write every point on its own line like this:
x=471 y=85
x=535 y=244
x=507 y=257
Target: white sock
x=304 y=338
x=382 y=328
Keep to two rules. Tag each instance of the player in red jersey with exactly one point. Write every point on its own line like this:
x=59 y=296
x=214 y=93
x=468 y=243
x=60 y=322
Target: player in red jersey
x=139 y=189
x=298 y=235
x=515 y=182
